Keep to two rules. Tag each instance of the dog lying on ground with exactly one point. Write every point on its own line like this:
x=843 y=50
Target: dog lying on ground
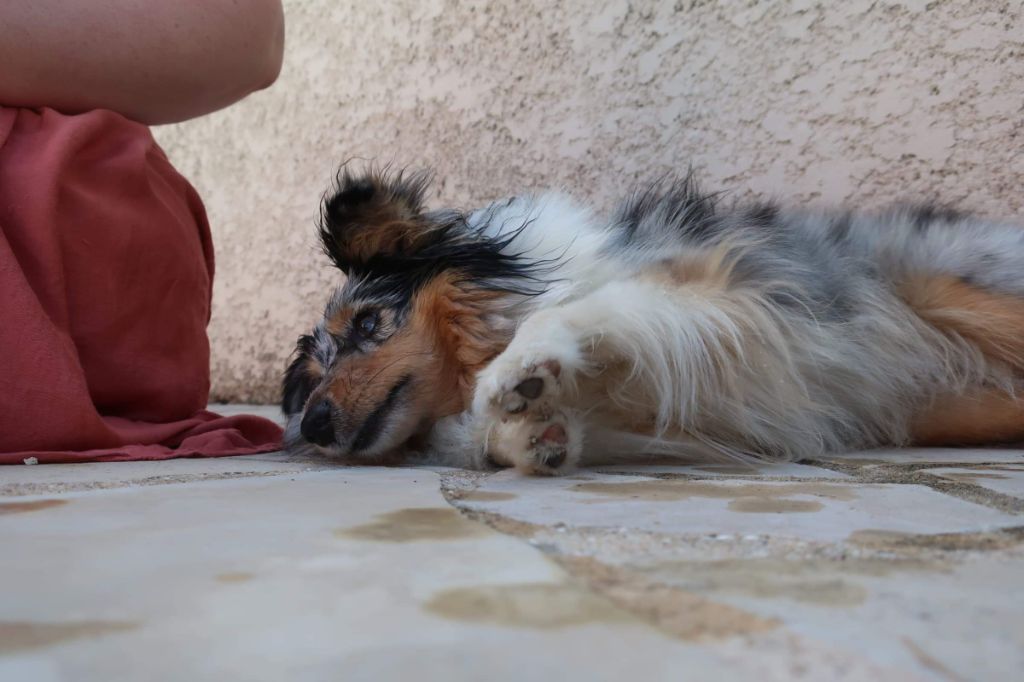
x=533 y=333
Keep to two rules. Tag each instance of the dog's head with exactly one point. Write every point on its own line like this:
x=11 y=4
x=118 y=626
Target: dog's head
x=419 y=315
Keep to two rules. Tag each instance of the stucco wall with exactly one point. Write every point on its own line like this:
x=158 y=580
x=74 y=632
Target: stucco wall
x=856 y=101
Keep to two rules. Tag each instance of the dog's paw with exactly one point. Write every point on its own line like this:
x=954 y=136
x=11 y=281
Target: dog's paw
x=549 y=446
x=531 y=377
x=529 y=392
x=523 y=399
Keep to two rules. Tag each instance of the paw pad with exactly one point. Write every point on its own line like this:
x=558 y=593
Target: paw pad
x=532 y=391
x=530 y=388
x=555 y=434
x=550 y=446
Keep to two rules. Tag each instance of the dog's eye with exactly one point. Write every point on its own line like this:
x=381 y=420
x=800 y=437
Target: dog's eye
x=366 y=323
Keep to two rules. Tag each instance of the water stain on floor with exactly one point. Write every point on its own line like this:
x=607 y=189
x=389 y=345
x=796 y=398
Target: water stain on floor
x=822 y=582
x=234 y=577
x=19 y=636
x=930 y=662
x=772 y=505
x=34 y=505
x=754 y=498
x=487 y=496
x=897 y=541
x=415 y=524
x=542 y=606
x=676 y=611
x=977 y=475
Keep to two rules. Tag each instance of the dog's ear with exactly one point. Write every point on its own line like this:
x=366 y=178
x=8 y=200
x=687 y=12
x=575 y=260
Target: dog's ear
x=300 y=379
x=375 y=214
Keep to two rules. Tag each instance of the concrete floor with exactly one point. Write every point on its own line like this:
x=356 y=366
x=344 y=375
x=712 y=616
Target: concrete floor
x=884 y=565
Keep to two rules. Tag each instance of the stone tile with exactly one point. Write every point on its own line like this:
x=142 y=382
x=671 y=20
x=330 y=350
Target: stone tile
x=916 y=610
x=901 y=611
x=820 y=511
x=57 y=478
x=722 y=469
x=363 y=573
x=367 y=571
x=1007 y=479
x=931 y=455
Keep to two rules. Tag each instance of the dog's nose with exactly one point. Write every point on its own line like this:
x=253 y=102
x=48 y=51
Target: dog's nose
x=316 y=424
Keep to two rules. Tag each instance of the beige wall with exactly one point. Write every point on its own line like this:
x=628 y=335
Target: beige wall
x=856 y=101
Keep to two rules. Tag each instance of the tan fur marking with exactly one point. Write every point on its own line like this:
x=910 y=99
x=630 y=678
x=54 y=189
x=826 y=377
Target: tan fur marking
x=993 y=322
x=383 y=236
x=337 y=324
x=313 y=368
x=982 y=416
x=409 y=351
x=712 y=267
x=454 y=314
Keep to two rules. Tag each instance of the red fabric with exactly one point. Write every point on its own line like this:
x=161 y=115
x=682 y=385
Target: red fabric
x=106 y=269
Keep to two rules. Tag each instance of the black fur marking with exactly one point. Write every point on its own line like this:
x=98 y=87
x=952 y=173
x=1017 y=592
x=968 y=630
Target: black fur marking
x=923 y=216
x=680 y=205
x=452 y=247
x=839 y=229
x=298 y=384
x=352 y=192
x=370 y=430
x=762 y=215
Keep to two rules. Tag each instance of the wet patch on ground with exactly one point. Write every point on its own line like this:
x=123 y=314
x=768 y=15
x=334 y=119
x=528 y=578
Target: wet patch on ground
x=34 y=505
x=921 y=473
x=930 y=662
x=541 y=605
x=771 y=505
x=19 y=636
x=415 y=524
x=486 y=496
x=746 y=498
x=675 y=611
x=892 y=540
x=823 y=582
x=234 y=577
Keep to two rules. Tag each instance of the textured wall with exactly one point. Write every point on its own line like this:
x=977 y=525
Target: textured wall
x=859 y=101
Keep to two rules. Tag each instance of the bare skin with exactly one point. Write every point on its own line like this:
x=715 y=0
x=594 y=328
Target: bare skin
x=154 y=62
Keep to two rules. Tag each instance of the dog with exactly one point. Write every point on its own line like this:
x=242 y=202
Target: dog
x=533 y=333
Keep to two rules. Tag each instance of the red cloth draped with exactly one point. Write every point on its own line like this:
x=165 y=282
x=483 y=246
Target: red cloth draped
x=106 y=269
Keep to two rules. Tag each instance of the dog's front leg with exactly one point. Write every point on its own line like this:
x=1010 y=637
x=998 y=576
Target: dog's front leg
x=675 y=358
x=526 y=400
